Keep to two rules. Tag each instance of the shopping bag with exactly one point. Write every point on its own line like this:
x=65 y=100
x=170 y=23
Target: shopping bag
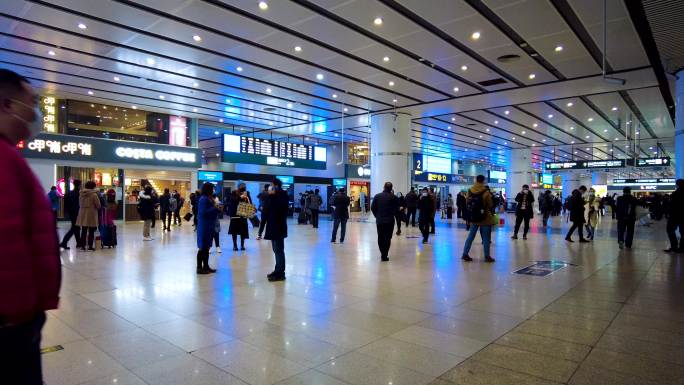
x=187 y=217
x=246 y=210
x=255 y=221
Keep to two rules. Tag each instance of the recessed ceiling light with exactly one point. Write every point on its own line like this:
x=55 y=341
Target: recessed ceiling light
x=614 y=109
x=617 y=138
x=377 y=21
x=194 y=110
x=605 y=130
x=334 y=96
x=391 y=83
x=534 y=144
x=345 y=109
x=162 y=97
x=320 y=76
x=221 y=120
x=150 y=61
x=549 y=116
x=586 y=137
x=133 y=107
x=298 y=48
x=90 y=92
x=572 y=142
x=531 y=76
x=558 y=48
x=496 y=122
x=263 y=5
x=464 y=68
x=82 y=26
x=195 y=84
x=289 y=105
x=453 y=119
x=523 y=132
x=394 y=100
x=216 y=132
x=51 y=53
x=569 y=104
x=268 y=90
x=572 y=128
x=543 y=140
x=455 y=89
x=637 y=132
x=513 y=138
x=116 y=78
x=239 y=69
x=590 y=120
x=448 y=127
x=534 y=125
x=487 y=129
x=475 y=35
x=197 y=38
x=385 y=59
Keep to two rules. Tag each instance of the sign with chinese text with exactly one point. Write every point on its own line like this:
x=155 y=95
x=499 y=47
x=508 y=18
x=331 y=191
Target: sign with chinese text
x=589 y=164
x=244 y=149
x=653 y=162
x=48 y=105
x=77 y=148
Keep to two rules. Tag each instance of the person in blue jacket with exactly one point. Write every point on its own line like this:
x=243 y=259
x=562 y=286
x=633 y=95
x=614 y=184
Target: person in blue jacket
x=207 y=214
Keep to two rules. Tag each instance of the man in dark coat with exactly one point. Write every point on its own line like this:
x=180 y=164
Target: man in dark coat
x=71 y=208
x=524 y=211
x=576 y=207
x=277 y=205
x=340 y=202
x=411 y=206
x=675 y=219
x=625 y=213
x=384 y=208
x=426 y=209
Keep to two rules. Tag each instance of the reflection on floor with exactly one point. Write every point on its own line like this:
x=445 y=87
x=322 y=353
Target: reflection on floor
x=139 y=314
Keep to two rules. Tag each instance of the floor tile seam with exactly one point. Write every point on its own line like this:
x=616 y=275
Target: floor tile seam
x=591 y=348
x=642 y=355
x=83 y=337
x=414 y=370
x=485 y=363
x=639 y=338
x=127 y=370
x=650 y=327
x=538 y=335
x=564 y=325
x=293 y=331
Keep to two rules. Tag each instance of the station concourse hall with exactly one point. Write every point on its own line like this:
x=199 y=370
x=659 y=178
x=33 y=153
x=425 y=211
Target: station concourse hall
x=341 y=192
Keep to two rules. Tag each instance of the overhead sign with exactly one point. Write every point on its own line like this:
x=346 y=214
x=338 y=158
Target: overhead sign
x=48 y=105
x=653 y=162
x=286 y=179
x=243 y=149
x=357 y=172
x=78 y=148
x=654 y=181
x=589 y=164
x=435 y=177
x=210 y=176
x=422 y=162
x=497 y=176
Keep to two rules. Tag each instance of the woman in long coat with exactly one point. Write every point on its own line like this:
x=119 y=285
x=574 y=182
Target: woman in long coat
x=87 y=220
x=207 y=214
x=238 y=225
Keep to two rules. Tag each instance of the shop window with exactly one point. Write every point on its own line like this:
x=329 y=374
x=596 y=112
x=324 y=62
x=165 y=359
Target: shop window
x=358 y=154
x=119 y=123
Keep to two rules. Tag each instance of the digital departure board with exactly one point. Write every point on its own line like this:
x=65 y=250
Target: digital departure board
x=244 y=149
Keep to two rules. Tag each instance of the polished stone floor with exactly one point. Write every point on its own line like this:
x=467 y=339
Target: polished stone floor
x=139 y=314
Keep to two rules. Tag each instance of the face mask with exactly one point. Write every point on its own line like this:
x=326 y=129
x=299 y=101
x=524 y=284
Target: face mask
x=425 y=194
x=525 y=190
x=34 y=127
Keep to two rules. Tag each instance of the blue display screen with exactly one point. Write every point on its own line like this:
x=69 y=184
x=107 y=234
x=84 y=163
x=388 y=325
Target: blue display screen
x=286 y=179
x=547 y=178
x=210 y=176
x=339 y=182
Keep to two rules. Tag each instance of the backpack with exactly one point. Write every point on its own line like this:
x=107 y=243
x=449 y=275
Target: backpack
x=475 y=206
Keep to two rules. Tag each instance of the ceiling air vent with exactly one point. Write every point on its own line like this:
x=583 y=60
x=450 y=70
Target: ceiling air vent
x=491 y=82
x=508 y=58
x=269 y=109
x=470 y=124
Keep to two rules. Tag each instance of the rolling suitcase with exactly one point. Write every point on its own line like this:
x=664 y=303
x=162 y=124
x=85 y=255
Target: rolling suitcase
x=108 y=236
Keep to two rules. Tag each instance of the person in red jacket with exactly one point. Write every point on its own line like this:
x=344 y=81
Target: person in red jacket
x=30 y=271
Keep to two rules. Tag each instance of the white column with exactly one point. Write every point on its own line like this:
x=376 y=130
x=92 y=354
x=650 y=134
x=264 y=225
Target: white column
x=390 y=151
x=679 y=126
x=519 y=171
x=571 y=181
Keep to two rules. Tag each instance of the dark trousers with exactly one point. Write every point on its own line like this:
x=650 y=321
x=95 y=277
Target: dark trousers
x=671 y=229
x=459 y=212
x=242 y=241
x=89 y=234
x=432 y=223
x=450 y=212
x=385 y=231
x=411 y=215
x=336 y=224
x=314 y=218
x=73 y=231
x=578 y=226
x=194 y=217
x=203 y=258
x=424 y=227
x=176 y=217
x=166 y=219
x=545 y=217
x=262 y=225
x=20 y=352
x=626 y=231
x=520 y=219
x=278 y=246
x=216 y=237
x=398 y=218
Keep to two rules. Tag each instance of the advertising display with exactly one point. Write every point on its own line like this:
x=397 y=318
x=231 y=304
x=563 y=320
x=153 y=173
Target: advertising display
x=78 y=148
x=287 y=180
x=588 y=164
x=210 y=176
x=653 y=162
x=339 y=183
x=243 y=149
x=48 y=105
x=497 y=176
x=358 y=172
x=177 y=131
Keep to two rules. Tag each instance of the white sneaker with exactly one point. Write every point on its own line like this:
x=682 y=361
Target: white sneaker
x=218 y=250
x=147 y=238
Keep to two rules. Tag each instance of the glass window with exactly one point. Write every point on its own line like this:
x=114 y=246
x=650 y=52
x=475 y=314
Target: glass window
x=111 y=122
x=358 y=154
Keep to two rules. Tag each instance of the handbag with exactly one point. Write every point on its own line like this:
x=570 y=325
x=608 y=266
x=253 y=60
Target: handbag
x=187 y=217
x=246 y=210
x=495 y=219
